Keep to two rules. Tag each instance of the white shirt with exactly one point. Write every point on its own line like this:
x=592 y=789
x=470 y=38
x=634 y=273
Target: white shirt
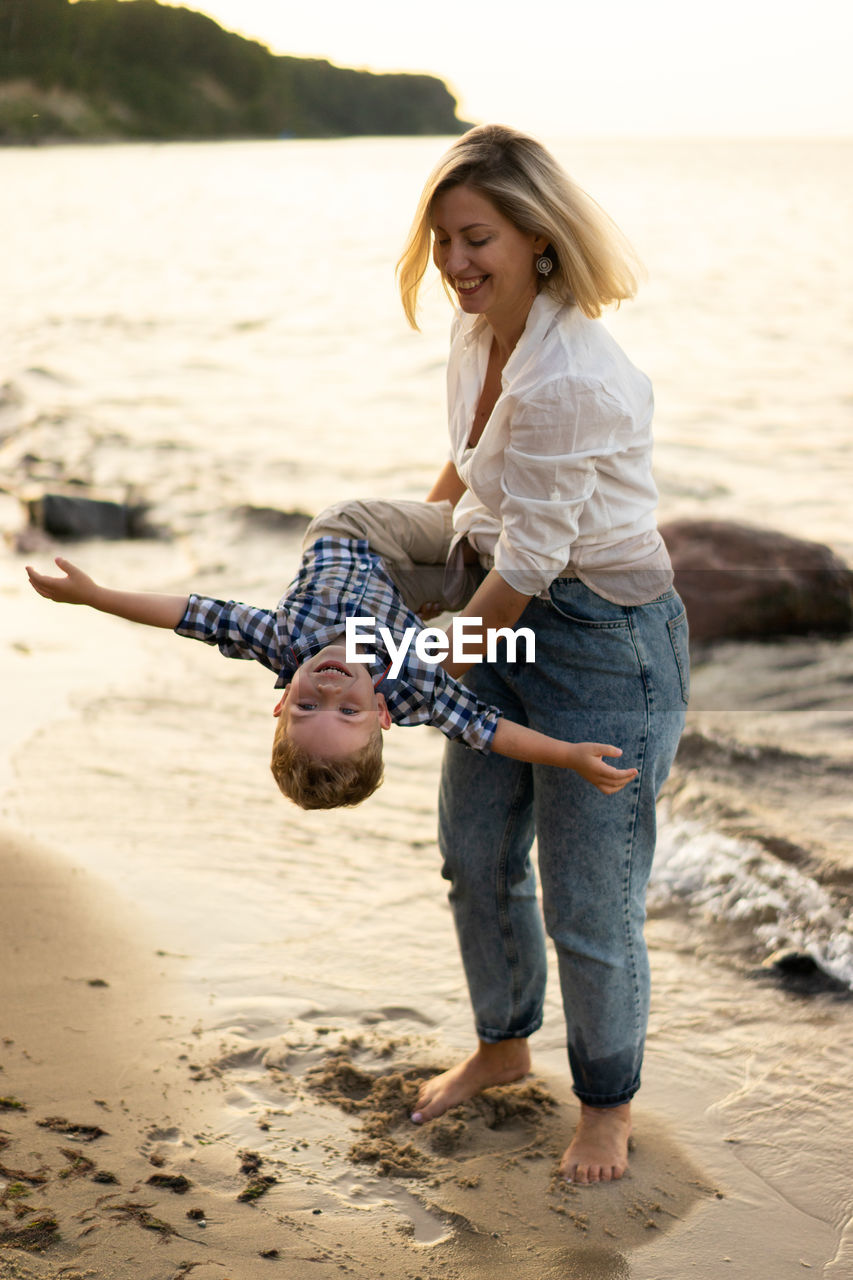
x=560 y=482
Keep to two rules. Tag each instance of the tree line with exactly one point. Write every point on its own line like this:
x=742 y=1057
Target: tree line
x=139 y=69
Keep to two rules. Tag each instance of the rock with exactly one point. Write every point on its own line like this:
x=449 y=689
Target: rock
x=792 y=961
x=66 y=516
x=743 y=583
x=799 y=972
x=271 y=519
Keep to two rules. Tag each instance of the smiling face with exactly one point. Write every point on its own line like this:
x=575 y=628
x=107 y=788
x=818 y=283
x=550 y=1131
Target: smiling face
x=485 y=258
x=330 y=708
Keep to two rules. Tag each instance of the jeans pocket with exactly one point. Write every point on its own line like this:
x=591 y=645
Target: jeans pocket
x=579 y=604
x=679 y=635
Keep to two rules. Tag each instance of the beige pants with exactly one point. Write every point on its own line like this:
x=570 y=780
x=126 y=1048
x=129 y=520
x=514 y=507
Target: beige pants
x=413 y=539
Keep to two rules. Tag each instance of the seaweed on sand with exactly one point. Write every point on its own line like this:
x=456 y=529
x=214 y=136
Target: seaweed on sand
x=170 y=1182
x=139 y=1214
x=78 y=1164
x=256 y=1188
x=259 y=1183
x=86 y=1132
x=37 y=1179
x=34 y=1236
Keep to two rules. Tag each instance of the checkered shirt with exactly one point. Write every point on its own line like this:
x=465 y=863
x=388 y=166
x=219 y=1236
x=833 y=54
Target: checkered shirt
x=342 y=578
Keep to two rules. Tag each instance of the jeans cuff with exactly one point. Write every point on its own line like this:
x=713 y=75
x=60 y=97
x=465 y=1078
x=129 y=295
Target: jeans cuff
x=490 y=1036
x=605 y=1100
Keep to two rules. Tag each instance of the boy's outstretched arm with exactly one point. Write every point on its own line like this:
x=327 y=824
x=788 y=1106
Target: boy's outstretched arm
x=521 y=743
x=76 y=587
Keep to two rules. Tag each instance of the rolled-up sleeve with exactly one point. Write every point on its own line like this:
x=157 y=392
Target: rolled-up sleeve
x=557 y=438
x=451 y=707
x=473 y=724
x=238 y=630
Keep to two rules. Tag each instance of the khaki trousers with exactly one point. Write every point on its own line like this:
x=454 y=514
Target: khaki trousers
x=413 y=539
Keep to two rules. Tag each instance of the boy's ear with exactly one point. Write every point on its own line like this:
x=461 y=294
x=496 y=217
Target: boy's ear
x=384 y=713
x=279 y=706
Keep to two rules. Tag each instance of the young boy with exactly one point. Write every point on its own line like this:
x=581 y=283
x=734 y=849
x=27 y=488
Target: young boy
x=327 y=749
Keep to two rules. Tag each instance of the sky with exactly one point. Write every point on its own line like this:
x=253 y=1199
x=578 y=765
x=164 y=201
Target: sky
x=627 y=68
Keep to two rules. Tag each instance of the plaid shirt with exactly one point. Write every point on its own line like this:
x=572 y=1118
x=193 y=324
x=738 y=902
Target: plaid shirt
x=342 y=578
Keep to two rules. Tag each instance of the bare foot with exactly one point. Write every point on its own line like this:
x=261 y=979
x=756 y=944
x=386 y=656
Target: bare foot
x=489 y=1064
x=599 y=1149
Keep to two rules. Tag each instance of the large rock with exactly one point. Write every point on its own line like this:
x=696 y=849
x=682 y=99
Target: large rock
x=72 y=517
x=739 y=582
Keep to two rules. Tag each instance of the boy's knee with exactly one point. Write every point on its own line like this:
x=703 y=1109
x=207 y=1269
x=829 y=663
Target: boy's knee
x=341 y=520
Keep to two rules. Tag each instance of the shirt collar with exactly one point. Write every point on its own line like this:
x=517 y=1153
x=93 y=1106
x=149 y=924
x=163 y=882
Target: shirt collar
x=472 y=328
x=539 y=318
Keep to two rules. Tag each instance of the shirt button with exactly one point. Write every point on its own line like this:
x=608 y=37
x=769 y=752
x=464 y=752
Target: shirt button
x=364 y=564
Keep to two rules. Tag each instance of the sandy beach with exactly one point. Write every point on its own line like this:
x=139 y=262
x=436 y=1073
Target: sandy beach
x=204 y=987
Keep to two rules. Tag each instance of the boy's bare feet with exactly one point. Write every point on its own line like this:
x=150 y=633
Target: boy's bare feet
x=599 y=1149
x=489 y=1064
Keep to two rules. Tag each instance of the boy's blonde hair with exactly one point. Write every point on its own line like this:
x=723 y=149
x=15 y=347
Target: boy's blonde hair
x=313 y=783
x=594 y=266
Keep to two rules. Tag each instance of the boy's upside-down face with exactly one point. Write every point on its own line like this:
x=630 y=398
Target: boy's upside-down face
x=330 y=708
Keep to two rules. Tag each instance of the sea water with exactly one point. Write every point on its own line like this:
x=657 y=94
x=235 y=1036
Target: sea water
x=227 y=314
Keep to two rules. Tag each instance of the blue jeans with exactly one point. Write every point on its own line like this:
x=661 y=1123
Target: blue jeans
x=603 y=673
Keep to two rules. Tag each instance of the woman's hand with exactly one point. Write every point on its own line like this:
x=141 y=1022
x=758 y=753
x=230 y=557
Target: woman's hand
x=74 y=587
x=497 y=605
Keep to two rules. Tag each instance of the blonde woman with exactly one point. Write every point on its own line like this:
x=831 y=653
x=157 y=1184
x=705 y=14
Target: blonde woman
x=550 y=479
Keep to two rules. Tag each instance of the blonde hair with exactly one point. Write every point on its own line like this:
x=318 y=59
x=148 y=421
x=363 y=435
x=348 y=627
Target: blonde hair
x=313 y=783
x=594 y=265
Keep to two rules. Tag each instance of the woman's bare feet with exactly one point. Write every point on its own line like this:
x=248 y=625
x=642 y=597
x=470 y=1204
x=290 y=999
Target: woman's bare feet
x=599 y=1149
x=489 y=1064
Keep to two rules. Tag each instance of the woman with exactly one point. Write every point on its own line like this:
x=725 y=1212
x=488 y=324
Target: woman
x=550 y=477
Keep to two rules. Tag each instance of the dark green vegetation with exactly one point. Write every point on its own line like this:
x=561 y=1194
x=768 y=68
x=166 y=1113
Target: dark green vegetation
x=139 y=69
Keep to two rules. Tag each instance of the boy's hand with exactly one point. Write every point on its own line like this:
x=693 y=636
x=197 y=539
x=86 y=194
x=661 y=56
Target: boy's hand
x=522 y=743
x=74 y=587
x=587 y=761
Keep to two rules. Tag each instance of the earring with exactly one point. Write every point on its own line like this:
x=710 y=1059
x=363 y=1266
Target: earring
x=544 y=265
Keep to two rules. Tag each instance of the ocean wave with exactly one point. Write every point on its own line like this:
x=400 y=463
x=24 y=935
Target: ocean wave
x=730 y=880
x=704 y=749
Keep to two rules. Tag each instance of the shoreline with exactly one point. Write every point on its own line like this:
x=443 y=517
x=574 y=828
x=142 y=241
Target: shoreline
x=295 y=1147
x=110 y=1086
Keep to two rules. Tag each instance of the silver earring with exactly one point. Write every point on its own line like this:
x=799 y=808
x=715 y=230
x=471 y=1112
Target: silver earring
x=544 y=265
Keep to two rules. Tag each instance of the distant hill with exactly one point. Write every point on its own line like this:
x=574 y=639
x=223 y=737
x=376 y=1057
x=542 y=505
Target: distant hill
x=139 y=69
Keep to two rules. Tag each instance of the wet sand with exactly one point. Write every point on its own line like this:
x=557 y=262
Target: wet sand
x=243 y=996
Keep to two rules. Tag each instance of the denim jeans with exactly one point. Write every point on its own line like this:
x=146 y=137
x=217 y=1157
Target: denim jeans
x=603 y=673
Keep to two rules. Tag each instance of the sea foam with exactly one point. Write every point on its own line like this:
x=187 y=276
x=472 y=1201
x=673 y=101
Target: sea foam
x=736 y=881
